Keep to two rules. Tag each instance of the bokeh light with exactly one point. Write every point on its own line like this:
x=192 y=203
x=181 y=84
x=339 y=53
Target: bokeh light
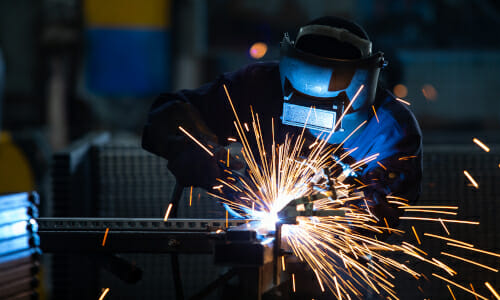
x=400 y=90
x=429 y=92
x=258 y=50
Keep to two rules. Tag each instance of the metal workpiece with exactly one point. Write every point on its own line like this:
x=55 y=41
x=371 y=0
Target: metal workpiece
x=245 y=245
x=123 y=235
x=133 y=224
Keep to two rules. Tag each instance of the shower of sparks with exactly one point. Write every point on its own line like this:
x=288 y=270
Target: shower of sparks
x=105 y=237
x=104 y=293
x=480 y=144
x=196 y=141
x=492 y=290
x=343 y=250
x=167 y=213
x=472 y=181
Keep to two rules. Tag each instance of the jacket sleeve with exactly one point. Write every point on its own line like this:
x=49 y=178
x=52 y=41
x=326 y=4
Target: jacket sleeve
x=395 y=177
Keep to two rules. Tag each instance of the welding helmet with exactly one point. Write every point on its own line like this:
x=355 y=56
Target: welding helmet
x=319 y=80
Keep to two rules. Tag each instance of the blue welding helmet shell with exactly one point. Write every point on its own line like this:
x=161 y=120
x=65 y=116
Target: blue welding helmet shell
x=326 y=86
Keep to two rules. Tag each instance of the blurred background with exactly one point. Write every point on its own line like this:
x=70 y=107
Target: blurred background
x=70 y=69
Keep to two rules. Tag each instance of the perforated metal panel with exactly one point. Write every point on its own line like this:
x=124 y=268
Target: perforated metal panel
x=134 y=183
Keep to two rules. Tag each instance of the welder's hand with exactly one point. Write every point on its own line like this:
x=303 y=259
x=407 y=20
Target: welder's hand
x=194 y=167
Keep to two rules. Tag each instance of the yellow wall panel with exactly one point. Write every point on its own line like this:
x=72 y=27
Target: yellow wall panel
x=127 y=13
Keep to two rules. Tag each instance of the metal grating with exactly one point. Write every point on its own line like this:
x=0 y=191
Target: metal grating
x=444 y=183
x=136 y=184
x=130 y=183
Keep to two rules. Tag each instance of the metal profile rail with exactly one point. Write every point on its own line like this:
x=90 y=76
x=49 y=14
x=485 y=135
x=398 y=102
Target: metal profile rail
x=124 y=235
x=148 y=224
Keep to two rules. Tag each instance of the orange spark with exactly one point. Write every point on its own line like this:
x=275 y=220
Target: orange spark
x=227 y=221
x=106 y=291
x=474 y=249
x=470 y=261
x=492 y=290
x=375 y=113
x=438 y=220
x=169 y=208
x=416 y=235
x=444 y=226
x=319 y=280
x=231 y=139
x=293 y=282
x=472 y=287
x=397 y=198
x=474 y=183
x=403 y=101
x=105 y=236
x=431 y=211
x=380 y=164
x=228 y=156
x=191 y=196
x=195 y=140
x=459 y=286
x=448 y=239
x=451 y=292
x=387 y=225
x=407 y=157
x=481 y=144
x=313 y=144
x=427 y=207
x=283 y=263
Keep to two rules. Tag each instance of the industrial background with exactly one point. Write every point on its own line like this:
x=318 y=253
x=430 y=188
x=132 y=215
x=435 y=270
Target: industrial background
x=78 y=77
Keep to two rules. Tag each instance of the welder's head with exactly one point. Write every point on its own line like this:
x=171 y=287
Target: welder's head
x=326 y=66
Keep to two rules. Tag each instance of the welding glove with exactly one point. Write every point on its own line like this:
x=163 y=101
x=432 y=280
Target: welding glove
x=193 y=166
x=189 y=162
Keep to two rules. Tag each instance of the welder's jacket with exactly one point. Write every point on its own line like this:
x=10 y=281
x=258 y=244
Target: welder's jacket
x=396 y=135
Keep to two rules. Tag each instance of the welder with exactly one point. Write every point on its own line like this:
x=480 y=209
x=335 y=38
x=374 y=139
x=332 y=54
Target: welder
x=331 y=67
x=329 y=62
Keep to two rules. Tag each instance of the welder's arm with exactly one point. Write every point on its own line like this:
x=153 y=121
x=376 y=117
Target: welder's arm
x=398 y=175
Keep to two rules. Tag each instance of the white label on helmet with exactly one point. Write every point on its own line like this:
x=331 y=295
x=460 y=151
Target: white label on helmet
x=312 y=118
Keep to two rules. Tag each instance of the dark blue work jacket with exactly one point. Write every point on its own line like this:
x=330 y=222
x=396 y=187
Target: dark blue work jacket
x=395 y=136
